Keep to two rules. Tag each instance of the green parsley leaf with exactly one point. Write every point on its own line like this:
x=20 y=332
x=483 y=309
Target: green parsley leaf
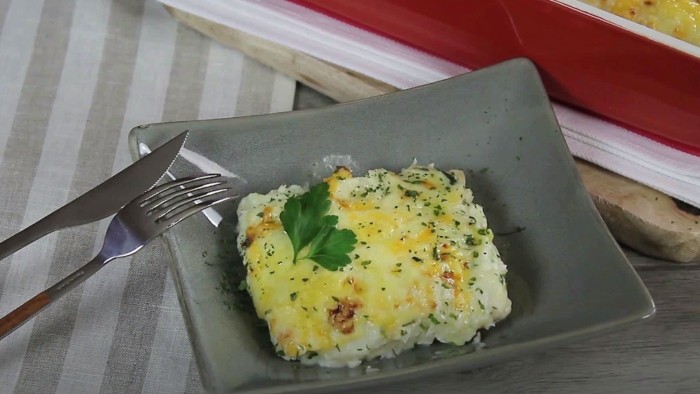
x=303 y=217
x=330 y=248
x=305 y=221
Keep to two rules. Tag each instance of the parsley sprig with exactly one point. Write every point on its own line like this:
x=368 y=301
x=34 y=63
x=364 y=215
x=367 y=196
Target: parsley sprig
x=306 y=222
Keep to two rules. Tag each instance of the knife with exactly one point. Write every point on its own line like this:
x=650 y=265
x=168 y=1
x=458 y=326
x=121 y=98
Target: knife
x=105 y=199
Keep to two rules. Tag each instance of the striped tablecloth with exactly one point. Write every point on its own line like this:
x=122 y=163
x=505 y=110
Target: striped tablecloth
x=75 y=77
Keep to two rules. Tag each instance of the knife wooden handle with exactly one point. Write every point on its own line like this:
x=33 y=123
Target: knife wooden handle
x=25 y=312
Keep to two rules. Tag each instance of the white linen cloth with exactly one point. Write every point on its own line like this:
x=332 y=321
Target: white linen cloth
x=75 y=77
x=669 y=170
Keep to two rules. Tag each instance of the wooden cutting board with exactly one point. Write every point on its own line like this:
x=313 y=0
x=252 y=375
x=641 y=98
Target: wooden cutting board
x=637 y=216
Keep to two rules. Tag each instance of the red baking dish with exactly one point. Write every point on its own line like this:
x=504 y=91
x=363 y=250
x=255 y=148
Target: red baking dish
x=585 y=60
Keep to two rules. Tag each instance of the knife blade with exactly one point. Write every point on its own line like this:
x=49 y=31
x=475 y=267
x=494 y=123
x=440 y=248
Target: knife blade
x=104 y=199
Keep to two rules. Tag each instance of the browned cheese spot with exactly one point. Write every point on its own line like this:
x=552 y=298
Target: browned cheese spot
x=342 y=316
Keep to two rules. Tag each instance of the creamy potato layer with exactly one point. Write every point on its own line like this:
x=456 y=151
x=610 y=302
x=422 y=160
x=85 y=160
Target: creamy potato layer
x=424 y=268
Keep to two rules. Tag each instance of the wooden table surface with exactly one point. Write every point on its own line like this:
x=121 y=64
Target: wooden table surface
x=660 y=355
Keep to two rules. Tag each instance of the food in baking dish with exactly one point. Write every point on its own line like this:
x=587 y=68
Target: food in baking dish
x=678 y=18
x=362 y=267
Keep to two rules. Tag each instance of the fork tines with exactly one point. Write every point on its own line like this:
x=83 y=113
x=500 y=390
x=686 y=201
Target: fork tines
x=181 y=198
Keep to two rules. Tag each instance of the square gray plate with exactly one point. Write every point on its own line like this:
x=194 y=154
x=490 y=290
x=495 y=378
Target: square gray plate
x=567 y=277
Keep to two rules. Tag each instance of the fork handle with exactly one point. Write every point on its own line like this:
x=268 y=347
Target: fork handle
x=26 y=311
x=19 y=316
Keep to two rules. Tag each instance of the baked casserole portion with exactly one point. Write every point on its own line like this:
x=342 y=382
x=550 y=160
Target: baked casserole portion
x=678 y=18
x=424 y=267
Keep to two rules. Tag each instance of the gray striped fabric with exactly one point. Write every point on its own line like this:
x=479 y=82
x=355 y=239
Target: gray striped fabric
x=75 y=77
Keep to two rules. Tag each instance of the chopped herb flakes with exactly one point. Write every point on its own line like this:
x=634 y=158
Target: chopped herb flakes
x=411 y=193
x=417 y=238
x=471 y=241
x=311 y=354
x=433 y=319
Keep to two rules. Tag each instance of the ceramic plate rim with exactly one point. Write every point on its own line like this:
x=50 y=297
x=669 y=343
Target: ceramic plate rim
x=498 y=354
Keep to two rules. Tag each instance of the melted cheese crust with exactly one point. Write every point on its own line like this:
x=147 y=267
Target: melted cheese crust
x=677 y=18
x=424 y=268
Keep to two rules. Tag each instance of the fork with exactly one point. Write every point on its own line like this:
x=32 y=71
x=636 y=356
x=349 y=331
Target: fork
x=135 y=225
